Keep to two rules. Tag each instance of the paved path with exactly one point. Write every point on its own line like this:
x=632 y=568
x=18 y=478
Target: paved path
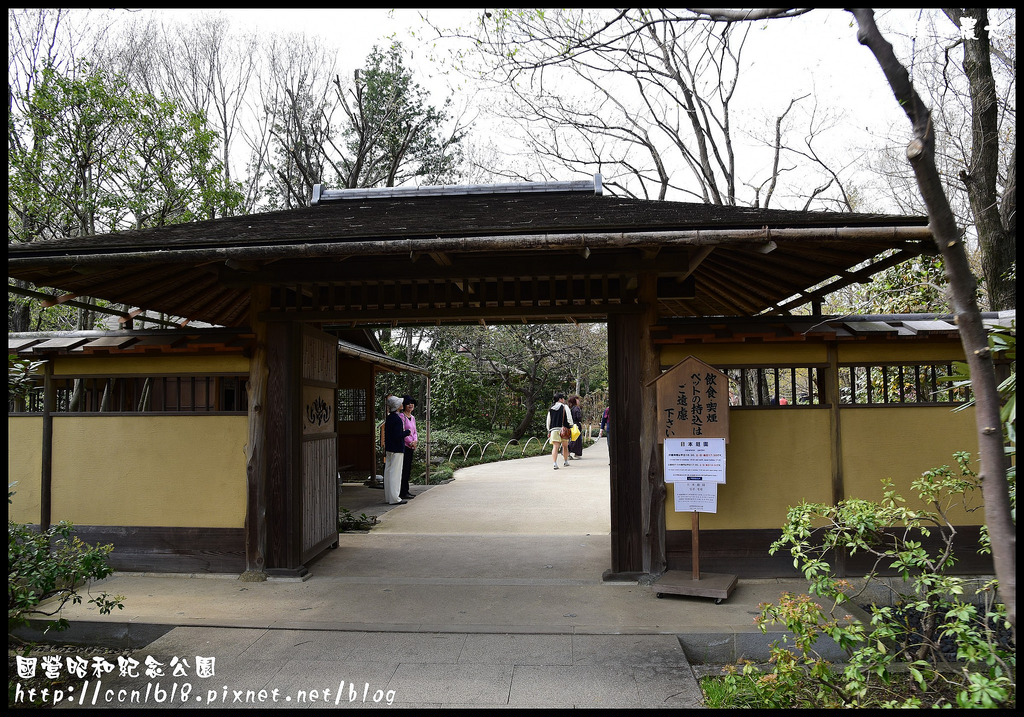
x=485 y=591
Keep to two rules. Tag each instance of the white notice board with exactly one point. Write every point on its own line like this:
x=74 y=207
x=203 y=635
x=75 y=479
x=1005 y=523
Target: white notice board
x=694 y=460
x=700 y=497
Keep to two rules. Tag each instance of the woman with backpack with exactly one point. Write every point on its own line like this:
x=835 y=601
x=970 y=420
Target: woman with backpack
x=559 y=422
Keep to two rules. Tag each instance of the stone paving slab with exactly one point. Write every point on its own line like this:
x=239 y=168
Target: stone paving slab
x=482 y=592
x=289 y=669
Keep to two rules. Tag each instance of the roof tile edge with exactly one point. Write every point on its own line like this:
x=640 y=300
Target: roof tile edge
x=321 y=195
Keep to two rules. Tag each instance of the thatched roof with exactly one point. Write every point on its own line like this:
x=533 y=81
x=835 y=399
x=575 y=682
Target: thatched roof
x=418 y=257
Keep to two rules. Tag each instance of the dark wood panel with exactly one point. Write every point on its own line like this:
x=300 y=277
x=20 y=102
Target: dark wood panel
x=745 y=554
x=625 y=397
x=318 y=518
x=319 y=494
x=168 y=549
x=281 y=454
x=357 y=452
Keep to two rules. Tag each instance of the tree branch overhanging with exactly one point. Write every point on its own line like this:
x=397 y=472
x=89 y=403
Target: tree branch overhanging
x=948 y=237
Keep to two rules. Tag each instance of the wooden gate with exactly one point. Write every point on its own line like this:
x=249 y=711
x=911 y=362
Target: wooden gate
x=319 y=463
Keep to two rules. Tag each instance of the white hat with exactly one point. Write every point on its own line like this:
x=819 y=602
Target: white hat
x=394 y=403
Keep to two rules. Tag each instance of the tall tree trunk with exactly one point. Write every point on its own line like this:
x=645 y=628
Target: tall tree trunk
x=524 y=425
x=921 y=153
x=998 y=246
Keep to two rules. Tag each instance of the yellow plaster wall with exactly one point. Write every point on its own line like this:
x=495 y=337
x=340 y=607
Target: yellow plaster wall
x=903 y=443
x=24 y=465
x=186 y=471
x=773 y=460
x=106 y=365
x=778 y=458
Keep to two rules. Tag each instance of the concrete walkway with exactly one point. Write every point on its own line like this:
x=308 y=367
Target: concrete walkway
x=482 y=592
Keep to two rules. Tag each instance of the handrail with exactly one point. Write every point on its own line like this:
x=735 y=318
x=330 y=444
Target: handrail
x=464 y=454
x=506 y=447
x=467 y=451
x=532 y=438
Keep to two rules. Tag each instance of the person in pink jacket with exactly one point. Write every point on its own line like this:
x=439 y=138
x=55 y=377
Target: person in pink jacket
x=411 y=441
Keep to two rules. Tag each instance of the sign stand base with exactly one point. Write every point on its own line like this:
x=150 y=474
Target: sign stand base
x=714 y=585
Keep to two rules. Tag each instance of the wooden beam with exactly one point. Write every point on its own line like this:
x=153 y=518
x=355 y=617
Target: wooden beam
x=739 y=238
x=246 y=266
x=862 y=275
x=57 y=300
x=676 y=262
x=698 y=257
x=82 y=305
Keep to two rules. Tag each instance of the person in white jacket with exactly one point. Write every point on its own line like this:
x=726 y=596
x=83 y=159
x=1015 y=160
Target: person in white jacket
x=558 y=416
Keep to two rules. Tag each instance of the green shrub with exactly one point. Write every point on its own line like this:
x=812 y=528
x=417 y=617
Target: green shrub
x=43 y=565
x=348 y=521
x=892 y=661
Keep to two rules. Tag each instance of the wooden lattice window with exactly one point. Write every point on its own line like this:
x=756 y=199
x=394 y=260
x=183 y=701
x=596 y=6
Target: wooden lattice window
x=899 y=384
x=770 y=386
x=351 y=404
x=144 y=394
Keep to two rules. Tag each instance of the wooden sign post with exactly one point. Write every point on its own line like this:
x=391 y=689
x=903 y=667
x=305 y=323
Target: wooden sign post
x=693 y=425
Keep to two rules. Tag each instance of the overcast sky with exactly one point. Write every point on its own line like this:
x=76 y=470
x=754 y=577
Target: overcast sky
x=817 y=52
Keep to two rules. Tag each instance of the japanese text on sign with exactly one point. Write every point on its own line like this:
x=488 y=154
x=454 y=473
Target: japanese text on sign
x=700 y=497
x=694 y=461
x=688 y=401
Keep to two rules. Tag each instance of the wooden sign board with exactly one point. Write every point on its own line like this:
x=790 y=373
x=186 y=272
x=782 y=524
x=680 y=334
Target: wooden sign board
x=693 y=401
x=317 y=410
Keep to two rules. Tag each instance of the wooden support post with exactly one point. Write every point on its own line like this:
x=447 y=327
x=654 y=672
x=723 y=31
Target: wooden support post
x=46 y=472
x=836 y=442
x=626 y=404
x=426 y=425
x=653 y=488
x=695 y=544
x=255 y=449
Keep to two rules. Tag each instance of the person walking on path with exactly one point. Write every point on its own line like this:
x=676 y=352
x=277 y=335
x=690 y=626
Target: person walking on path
x=394 y=452
x=576 y=447
x=559 y=417
x=606 y=424
x=411 y=441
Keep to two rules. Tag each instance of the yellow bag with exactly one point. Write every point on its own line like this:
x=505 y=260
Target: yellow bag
x=574 y=432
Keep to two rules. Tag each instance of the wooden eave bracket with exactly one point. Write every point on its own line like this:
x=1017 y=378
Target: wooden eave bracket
x=47 y=303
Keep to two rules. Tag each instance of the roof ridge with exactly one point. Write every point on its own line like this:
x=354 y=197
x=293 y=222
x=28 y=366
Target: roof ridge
x=321 y=195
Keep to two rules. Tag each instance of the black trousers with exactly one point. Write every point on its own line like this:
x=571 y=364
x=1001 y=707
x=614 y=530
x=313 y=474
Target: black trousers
x=406 y=471
x=576 y=447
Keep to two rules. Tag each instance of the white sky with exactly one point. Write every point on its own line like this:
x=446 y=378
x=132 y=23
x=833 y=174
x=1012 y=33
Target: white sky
x=816 y=54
